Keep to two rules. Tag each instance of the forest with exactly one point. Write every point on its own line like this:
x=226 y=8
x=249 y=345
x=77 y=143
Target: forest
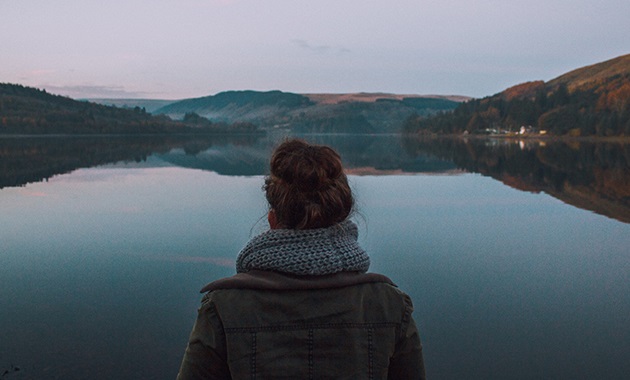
x=26 y=110
x=598 y=109
x=589 y=101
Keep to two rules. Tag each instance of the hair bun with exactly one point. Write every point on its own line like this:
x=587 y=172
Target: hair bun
x=307 y=182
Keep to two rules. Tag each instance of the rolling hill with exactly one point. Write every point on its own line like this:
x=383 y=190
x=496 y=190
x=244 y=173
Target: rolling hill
x=589 y=101
x=149 y=105
x=26 y=110
x=594 y=75
x=229 y=106
x=320 y=113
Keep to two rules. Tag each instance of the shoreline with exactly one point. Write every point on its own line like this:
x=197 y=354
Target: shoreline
x=526 y=137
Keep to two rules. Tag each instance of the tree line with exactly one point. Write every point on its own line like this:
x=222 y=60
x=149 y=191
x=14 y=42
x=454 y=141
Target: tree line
x=26 y=110
x=600 y=109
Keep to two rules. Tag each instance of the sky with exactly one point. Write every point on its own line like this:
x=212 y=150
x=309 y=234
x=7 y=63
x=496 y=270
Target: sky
x=176 y=49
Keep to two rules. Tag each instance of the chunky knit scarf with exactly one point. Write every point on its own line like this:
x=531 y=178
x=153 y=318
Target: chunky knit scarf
x=306 y=252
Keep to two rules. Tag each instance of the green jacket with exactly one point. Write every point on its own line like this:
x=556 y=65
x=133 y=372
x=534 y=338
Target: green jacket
x=267 y=325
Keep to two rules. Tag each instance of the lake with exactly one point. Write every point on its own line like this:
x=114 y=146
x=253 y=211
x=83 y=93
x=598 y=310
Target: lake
x=515 y=253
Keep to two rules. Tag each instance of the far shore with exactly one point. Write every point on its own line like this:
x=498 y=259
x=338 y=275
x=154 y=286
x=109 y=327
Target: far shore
x=515 y=137
x=529 y=137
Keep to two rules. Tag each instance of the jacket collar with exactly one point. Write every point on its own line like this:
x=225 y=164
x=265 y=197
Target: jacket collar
x=268 y=280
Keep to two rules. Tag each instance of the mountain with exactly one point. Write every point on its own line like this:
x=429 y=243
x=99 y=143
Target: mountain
x=26 y=110
x=230 y=106
x=314 y=113
x=590 y=101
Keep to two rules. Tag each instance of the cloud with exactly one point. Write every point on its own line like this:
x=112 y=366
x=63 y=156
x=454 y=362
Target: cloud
x=320 y=49
x=93 y=91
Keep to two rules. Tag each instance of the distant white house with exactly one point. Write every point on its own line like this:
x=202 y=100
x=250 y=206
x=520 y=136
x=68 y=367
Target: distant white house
x=525 y=129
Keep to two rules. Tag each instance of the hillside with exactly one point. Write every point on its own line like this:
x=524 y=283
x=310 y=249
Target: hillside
x=25 y=110
x=374 y=96
x=593 y=75
x=590 y=101
x=149 y=105
x=232 y=106
x=319 y=113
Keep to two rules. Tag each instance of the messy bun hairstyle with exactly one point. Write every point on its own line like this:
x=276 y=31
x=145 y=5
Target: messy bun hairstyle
x=307 y=187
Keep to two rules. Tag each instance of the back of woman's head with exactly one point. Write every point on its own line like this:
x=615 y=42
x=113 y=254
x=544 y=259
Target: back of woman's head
x=307 y=187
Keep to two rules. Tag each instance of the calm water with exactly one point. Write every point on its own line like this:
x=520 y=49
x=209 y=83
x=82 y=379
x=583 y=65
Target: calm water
x=516 y=255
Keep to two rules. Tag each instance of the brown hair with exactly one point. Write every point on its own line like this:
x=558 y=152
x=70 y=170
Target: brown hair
x=307 y=187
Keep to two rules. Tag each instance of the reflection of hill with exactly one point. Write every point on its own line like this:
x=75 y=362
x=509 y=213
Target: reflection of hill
x=383 y=154
x=591 y=176
x=362 y=154
x=26 y=160
x=232 y=160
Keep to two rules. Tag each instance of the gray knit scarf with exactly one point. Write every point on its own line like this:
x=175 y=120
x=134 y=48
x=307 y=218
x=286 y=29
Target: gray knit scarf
x=305 y=252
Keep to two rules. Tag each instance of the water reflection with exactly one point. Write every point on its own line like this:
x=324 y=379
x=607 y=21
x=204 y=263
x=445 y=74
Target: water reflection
x=27 y=160
x=588 y=175
x=100 y=268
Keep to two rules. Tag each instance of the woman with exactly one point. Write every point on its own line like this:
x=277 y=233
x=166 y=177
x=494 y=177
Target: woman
x=301 y=305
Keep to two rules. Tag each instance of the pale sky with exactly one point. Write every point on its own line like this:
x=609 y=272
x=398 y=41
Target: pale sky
x=174 y=49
